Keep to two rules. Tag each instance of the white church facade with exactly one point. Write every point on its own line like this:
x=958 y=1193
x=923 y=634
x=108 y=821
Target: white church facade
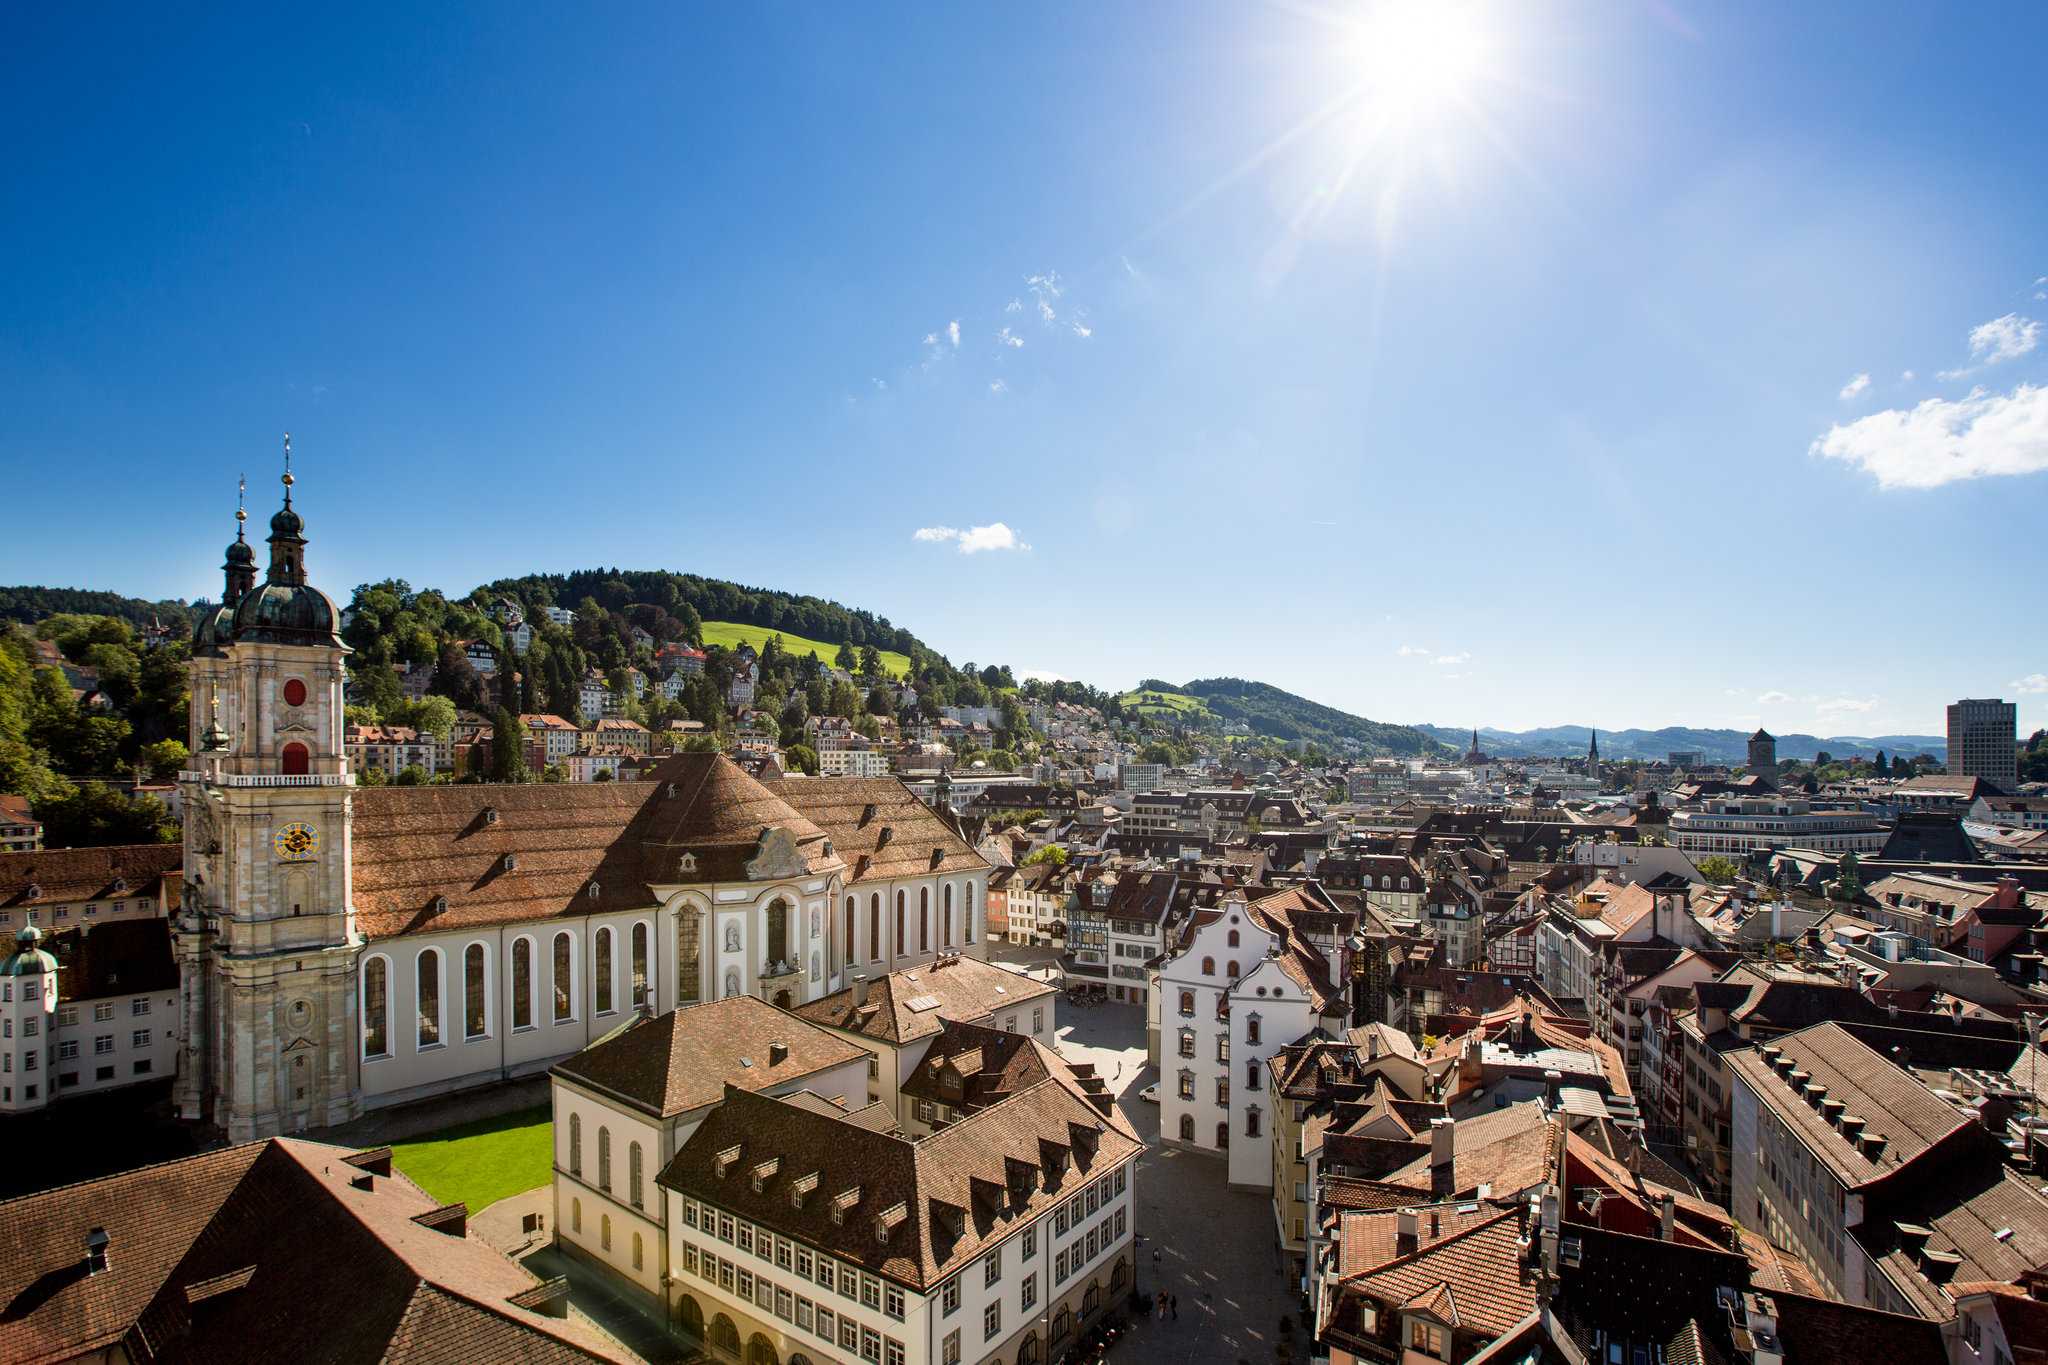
x=344 y=948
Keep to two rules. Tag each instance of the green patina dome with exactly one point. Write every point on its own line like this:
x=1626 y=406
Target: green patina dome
x=288 y=614
x=28 y=959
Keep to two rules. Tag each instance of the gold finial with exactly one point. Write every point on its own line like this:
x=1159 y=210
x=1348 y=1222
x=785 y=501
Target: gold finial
x=241 y=501
x=288 y=480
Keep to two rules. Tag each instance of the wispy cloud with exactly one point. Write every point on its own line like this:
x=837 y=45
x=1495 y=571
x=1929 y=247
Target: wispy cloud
x=1844 y=706
x=953 y=333
x=1009 y=338
x=998 y=387
x=1906 y=376
x=1452 y=660
x=2032 y=685
x=2041 y=288
x=2006 y=338
x=1773 y=698
x=1045 y=290
x=1083 y=330
x=1412 y=651
x=1854 y=387
x=1980 y=435
x=1014 y=306
x=975 y=539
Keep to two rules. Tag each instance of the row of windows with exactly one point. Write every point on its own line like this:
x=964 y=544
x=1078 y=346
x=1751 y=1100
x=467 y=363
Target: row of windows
x=1104 y=1236
x=429 y=1022
x=62 y=913
x=875 y=941
x=850 y=1283
x=806 y=1314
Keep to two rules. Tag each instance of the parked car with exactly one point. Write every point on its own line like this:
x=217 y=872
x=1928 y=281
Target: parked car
x=1150 y=1094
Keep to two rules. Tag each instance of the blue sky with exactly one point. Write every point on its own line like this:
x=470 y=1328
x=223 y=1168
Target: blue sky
x=1494 y=370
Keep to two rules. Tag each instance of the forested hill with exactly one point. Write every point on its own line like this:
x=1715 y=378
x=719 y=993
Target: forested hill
x=1267 y=710
x=28 y=605
x=694 y=600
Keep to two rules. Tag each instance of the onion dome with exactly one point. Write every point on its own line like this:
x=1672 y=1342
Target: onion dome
x=216 y=627
x=287 y=610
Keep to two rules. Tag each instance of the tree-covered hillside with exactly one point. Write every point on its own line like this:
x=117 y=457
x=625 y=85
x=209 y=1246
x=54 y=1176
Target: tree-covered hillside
x=1267 y=710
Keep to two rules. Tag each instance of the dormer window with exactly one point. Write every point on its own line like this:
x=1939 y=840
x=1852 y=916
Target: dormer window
x=510 y=862
x=490 y=815
x=440 y=905
x=593 y=890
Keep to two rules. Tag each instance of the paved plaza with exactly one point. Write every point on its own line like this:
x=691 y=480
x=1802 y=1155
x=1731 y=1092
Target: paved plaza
x=1211 y=1246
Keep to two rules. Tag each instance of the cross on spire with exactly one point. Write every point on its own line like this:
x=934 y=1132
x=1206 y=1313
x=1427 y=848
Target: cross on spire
x=288 y=469
x=241 y=505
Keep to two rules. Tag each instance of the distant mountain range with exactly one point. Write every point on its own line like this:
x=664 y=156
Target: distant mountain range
x=1713 y=746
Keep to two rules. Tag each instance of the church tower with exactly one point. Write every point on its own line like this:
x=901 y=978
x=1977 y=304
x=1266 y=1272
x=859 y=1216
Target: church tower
x=1593 y=754
x=266 y=935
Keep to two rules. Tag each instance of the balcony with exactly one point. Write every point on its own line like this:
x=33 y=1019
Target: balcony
x=272 y=779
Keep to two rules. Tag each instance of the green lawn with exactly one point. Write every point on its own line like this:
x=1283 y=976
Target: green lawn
x=732 y=635
x=482 y=1162
x=1153 y=703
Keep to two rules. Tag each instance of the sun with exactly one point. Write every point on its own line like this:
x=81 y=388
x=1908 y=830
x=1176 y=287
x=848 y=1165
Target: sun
x=1416 y=55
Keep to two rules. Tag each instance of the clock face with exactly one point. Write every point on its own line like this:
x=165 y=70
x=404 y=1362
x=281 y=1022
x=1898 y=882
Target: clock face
x=296 y=841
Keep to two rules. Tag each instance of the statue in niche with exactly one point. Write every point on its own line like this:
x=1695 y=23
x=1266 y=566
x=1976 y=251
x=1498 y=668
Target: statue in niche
x=732 y=982
x=732 y=937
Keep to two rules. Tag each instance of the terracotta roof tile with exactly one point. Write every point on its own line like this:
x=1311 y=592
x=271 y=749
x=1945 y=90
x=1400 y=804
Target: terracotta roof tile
x=964 y=988
x=684 y=1059
x=65 y=875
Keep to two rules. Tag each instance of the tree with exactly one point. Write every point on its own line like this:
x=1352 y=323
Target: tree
x=93 y=814
x=1056 y=854
x=412 y=775
x=1718 y=869
x=164 y=759
x=846 y=658
x=870 y=662
x=881 y=702
x=508 y=749
x=803 y=758
x=433 y=715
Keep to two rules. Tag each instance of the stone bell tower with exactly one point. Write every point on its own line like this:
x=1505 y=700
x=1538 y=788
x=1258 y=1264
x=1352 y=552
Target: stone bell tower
x=266 y=937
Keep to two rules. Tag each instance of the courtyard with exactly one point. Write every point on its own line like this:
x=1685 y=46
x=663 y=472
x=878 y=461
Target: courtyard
x=1210 y=1246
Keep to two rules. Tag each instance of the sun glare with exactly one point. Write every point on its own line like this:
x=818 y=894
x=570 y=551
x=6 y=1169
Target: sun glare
x=1415 y=54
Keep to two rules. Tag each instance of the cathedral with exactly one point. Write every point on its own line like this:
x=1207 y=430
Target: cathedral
x=343 y=949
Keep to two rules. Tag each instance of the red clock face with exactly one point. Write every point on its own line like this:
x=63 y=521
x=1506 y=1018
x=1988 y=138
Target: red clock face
x=294 y=692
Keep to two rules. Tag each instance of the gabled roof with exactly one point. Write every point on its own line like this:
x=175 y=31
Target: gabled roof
x=942 y=1200
x=69 y=875
x=879 y=827
x=1477 y=1280
x=911 y=1004
x=697 y=818
x=683 y=1060
x=233 y=1255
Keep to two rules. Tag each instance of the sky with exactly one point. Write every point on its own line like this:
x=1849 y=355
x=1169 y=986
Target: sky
x=1613 y=363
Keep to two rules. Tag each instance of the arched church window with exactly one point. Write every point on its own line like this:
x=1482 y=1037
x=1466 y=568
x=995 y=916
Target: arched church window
x=428 y=997
x=689 y=962
x=946 y=921
x=602 y=969
x=778 y=931
x=376 y=1007
x=522 y=983
x=576 y=1145
x=875 y=927
x=475 y=1011
x=296 y=761
x=902 y=941
x=564 y=979
x=640 y=964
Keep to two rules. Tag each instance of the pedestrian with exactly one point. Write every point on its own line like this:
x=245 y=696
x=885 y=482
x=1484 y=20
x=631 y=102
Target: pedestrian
x=1173 y=1302
x=1162 y=1305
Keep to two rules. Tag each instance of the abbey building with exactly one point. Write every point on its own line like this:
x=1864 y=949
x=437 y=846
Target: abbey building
x=342 y=949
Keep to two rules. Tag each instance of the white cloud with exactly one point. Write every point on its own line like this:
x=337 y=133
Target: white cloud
x=1839 y=706
x=1044 y=289
x=1980 y=435
x=1411 y=651
x=1454 y=659
x=880 y=384
x=2041 y=287
x=975 y=539
x=1906 y=376
x=953 y=333
x=2032 y=685
x=2006 y=338
x=1009 y=338
x=1014 y=306
x=1083 y=330
x=1854 y=387
x=997 y=386
x=1773 y=698
x=931 y=338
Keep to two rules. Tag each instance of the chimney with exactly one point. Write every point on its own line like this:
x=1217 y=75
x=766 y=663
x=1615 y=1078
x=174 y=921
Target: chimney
x=96 y=1251
x=1443 y=1142
x=1404 y=1232
x=860 y=990
x=778 y=1053
x=1667 y=1206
